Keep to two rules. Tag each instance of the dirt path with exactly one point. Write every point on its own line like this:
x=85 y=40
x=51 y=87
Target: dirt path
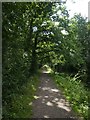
x=49 y=102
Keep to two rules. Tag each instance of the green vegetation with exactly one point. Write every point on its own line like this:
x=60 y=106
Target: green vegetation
x=39 y=33
x=75 y=93
x=47 y=69
x=21 y=104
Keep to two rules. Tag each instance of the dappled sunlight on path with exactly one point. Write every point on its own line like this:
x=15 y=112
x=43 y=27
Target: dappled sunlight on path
x=44 y=71
x=49 y=101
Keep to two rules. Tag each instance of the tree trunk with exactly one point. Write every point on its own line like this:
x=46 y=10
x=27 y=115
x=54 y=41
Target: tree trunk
x=33 y=68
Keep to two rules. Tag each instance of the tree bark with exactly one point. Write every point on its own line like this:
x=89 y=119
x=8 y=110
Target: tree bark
x=33 y=68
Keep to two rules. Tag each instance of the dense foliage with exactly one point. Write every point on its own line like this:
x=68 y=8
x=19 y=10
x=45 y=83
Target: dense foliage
x=39 y=33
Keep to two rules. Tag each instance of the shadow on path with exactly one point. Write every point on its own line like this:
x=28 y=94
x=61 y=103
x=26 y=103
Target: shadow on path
x=49 y=101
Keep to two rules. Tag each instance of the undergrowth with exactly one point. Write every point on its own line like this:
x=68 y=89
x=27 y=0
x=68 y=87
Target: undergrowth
x=21 y=103
x=75 y=93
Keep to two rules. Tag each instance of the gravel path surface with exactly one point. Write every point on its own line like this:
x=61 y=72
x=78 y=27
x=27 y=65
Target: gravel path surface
x=50 y=102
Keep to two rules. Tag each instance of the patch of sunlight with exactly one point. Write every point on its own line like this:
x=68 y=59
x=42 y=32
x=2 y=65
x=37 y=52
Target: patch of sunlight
x=64 y=32
x=43 y=99
x=55 y=90
x=33 y=87
x=44 y=71
x=49 y=104
x=65 y=108
x=56 y=23
x=50 y=70
x=36 y=97
x=66 y=103
x=39 y=87
x=46 y=96
x=55 y=100
x=46 y=81
x=62 y=105
x=62 y=100
x=46 y=88
x=30 y=103
x=46 y=116
x=43 y=102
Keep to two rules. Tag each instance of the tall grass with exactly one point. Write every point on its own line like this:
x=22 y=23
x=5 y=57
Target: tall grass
x=75 y=92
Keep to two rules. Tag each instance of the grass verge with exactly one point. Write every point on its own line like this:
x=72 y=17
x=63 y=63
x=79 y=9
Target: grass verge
x=21 y=105
x=75 y=93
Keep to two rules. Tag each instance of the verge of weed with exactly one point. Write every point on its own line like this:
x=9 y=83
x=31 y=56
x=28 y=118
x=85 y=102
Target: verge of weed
x=21 y=105
x=75 y=93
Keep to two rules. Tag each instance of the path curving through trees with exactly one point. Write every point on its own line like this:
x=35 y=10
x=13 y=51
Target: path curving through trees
x=49 y=101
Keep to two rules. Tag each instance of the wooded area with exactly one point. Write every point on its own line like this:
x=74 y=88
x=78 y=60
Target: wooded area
x=39 y=33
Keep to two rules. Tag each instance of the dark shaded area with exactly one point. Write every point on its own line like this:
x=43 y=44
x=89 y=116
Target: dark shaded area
x=70 y=69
